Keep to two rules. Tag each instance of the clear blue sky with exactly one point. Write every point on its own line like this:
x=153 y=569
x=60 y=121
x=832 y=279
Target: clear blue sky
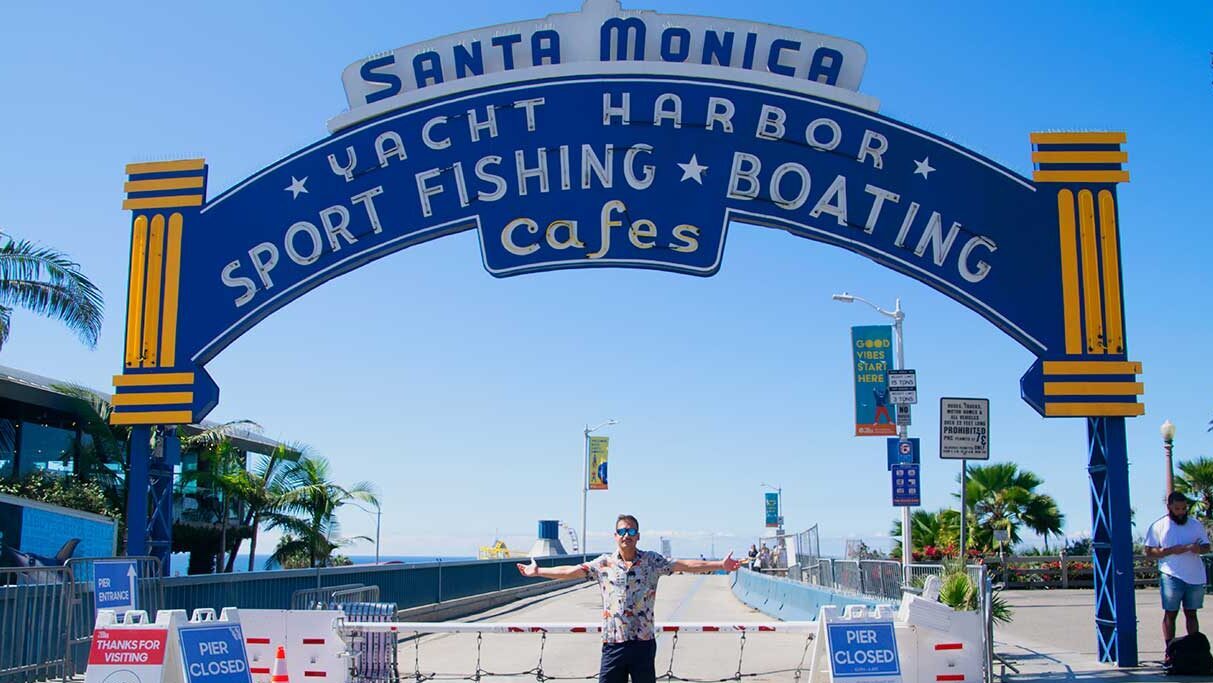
x=462 y=397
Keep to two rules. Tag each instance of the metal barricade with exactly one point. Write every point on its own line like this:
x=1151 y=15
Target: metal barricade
x=35 y=622
x=321 y=598
x=361 y=594
x=373 y=656
x=149 y=597
x=847 y=575
x=881 y=578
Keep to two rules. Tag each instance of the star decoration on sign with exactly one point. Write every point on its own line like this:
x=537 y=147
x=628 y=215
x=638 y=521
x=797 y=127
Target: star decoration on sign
x=692 y=170
x=923 y=167
x=296 y=187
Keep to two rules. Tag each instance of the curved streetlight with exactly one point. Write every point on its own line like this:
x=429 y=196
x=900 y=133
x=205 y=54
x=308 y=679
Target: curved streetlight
x=1168 y=437
x=898 y=316
x=585 y=479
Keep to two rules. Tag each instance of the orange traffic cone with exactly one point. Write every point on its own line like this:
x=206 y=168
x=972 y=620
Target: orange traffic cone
x=279 y=675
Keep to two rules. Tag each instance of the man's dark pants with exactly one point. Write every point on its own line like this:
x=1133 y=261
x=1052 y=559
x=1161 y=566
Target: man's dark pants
x=633 y=658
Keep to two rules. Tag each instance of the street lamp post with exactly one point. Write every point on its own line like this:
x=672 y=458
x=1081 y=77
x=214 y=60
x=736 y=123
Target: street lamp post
x=1168 y=437
x=898 y=317
x=585 y=480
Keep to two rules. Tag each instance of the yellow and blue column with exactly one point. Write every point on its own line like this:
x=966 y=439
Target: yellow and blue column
x=154 y=391
x=1093 y=378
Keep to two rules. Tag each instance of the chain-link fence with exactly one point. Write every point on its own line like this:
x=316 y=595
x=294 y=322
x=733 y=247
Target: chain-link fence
x=148 y=597
x=808 y=547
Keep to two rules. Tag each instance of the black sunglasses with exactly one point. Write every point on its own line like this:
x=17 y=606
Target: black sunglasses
x=627 y=531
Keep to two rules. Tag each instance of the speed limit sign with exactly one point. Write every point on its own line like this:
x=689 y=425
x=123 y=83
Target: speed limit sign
x=964 y=428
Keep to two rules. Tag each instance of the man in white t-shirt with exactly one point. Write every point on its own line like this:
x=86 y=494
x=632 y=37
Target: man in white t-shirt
x=1177 y=541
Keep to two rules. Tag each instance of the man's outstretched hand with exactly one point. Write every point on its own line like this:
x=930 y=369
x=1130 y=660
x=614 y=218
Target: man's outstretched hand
x=531 y=570
x=729 y=564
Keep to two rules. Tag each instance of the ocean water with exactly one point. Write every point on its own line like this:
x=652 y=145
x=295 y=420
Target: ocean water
x=181 y=560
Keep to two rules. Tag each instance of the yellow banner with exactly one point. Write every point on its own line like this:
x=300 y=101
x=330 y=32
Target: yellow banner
x=598 y=462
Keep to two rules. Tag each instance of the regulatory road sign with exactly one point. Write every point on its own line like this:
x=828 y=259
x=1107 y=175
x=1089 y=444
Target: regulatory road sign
x=903 y=415
x=864 y=650
x=964 y=428
x=114 y=585
x=901 y=452
x=906 y=486
x=903 y=387
x=903 y=379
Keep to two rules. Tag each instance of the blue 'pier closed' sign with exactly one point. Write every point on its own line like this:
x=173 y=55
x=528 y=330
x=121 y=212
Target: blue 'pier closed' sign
x=214 y=653
x=866 y=649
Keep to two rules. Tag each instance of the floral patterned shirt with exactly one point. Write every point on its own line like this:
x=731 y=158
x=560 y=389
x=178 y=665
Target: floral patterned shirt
x=628 y=594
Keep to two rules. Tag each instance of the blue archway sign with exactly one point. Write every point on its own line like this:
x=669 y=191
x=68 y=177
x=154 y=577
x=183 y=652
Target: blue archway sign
x=621 y=138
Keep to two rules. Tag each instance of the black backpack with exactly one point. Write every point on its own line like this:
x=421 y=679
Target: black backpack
x=1189 y=656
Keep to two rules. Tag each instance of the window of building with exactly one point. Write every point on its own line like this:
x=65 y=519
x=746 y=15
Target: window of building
x=46 y=449
x=8 y=447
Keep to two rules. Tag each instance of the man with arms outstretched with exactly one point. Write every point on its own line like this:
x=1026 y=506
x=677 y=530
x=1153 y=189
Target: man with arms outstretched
x=628 y=579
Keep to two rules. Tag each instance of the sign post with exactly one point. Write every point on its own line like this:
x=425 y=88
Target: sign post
x=114 y=585
x=964 y=434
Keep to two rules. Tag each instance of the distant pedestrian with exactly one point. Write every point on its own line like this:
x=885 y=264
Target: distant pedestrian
x=628 y=580
x=764 y=556
x=1177 y=542
x=753 y=555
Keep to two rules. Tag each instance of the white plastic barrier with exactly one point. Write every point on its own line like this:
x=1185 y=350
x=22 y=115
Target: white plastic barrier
x=134 y=650
x=935 y=644
x=949 y=644
x=314 y=652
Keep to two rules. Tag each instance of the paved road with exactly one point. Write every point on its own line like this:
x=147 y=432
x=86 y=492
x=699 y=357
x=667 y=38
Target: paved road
x=679 y=598
x=1052 y=637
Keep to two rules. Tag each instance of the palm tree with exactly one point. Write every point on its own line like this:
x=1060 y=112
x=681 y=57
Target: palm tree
x=220 y=467
x=1195 y=480
x=939 y=529
x=267 y=488
x=1002 y=496
x=310 y=520
x=47 y=283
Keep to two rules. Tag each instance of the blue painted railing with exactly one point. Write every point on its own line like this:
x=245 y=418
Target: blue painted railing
x=407 y=585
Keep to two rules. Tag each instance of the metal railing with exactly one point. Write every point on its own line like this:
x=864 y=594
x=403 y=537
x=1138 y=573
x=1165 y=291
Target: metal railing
x=319 y=598
x=880 y=578
x=35 y=618
x=47 y=613
x=149 y=597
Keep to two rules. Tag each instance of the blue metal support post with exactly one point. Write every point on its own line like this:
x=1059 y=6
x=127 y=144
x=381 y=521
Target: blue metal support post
x=1112 y=541
x=160 y=524
x=137 y=490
